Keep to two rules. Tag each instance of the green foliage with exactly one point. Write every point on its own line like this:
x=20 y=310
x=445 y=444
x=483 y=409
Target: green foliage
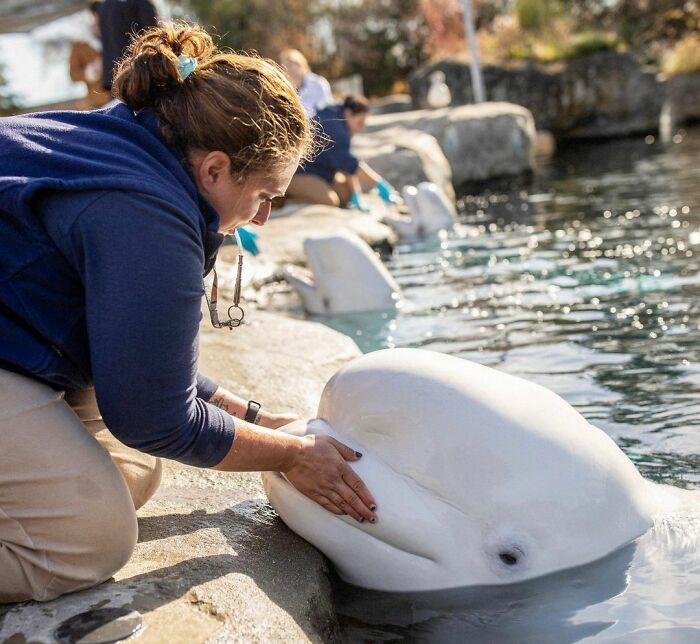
x=648 y=27
x=536 y=15
x=591 y=42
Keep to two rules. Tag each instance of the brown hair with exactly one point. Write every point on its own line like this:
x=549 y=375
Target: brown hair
x=356 y=104
x=242 y=105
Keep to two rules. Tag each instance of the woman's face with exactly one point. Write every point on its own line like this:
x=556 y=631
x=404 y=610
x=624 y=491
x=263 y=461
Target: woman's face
x=295 y=70
x=355 y=122
x=238 y=201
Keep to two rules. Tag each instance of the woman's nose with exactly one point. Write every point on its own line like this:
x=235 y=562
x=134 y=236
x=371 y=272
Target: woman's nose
x=263 y=213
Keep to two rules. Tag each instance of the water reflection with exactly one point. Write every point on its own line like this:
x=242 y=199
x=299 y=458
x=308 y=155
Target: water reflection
x=540 y=611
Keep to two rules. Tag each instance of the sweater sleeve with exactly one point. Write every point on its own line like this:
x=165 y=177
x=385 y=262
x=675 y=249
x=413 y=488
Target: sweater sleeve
x=141 y=261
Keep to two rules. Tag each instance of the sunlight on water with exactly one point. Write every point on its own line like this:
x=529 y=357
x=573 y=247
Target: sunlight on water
x=586 y=281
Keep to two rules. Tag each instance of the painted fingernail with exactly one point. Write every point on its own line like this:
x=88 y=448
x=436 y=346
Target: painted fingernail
x=362 y=519
x=358 y=454
x=373 y=507
x=373 y=520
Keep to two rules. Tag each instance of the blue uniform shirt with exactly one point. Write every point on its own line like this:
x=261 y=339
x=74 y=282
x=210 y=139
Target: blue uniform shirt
x=336 y=156
x=104 y=240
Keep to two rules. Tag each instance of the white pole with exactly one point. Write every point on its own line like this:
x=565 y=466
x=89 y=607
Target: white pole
x=474 y=66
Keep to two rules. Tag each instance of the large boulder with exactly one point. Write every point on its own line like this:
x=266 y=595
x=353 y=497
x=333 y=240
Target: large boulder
x=600 y=95
x=683 y=92
x=406 y=157
x=480 y=141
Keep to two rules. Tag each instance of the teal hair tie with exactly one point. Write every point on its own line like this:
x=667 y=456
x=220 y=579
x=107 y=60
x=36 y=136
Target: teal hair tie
x=186 y=64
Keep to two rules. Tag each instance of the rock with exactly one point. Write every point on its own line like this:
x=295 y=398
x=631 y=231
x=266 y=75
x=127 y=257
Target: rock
x=480 y=141
x=392 y=103
x=214 y=563
x=405 y=157
x=600 y=95
x=683 y=92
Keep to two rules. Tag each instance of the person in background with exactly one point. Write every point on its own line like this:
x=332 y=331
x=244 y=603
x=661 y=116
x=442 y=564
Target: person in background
x=314 y=90
x=110 y=220
x=119 y=21
x=335 y=177
x=85 y=63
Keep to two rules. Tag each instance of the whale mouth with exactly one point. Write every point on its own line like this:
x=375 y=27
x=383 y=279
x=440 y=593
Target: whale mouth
x=303 y=275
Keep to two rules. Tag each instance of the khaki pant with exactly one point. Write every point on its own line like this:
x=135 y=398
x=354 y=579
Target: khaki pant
x=310 y=188
x=68 y=492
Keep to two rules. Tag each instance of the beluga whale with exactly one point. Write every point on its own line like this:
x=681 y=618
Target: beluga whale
x=344 y=276
x=429 y=212
x=480 y=478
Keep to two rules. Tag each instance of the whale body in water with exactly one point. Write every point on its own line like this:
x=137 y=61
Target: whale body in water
x=480 y=478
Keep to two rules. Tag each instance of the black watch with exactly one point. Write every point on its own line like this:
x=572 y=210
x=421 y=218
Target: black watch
x=251 y=414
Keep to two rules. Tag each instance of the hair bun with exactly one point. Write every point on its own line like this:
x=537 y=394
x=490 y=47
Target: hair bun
x=149 y=69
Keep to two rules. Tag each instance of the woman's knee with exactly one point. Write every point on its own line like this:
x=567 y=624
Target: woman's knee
x=97 y=559
x=145 y=483
x=83 y=555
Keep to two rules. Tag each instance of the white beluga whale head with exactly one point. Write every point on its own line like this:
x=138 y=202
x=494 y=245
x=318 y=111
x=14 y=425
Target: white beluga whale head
x=480 y=477
x=429 y=212
x=344 y=276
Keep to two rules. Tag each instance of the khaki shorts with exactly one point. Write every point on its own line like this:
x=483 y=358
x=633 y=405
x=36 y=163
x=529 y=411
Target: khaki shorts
x=69 y=492
x=310 y=188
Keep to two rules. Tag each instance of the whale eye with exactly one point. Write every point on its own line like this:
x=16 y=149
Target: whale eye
x=508 y=558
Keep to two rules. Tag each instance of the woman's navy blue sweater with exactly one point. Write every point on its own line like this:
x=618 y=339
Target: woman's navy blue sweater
x=104 y=240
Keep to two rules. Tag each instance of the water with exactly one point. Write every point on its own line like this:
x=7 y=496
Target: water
x=586 y=280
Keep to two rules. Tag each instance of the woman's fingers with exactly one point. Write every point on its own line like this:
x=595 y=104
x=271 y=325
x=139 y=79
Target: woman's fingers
x=327 y=504
x=346 y=452
x=322 y=473
x=347 y=507
x=359 y=489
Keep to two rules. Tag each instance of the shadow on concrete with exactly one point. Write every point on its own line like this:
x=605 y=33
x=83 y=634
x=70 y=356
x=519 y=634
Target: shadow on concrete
x=286 y=568
x=289 y=571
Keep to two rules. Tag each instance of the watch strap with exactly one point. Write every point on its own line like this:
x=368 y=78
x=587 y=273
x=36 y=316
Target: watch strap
x=251 y=414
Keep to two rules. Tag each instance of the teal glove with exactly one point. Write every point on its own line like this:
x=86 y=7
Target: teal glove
x=386 y=191
x=357 y=202
x=248 y=242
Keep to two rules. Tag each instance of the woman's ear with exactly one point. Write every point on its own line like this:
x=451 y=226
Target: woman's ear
x=213 y=167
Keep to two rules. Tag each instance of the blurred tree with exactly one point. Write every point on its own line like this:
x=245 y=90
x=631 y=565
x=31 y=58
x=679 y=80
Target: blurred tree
x=7 y=99
x=382 y=40
x=647 y=26
x=537 y=15
x=255 y=25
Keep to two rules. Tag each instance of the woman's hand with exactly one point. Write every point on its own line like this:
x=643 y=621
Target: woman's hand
x=275 y=421
x=320 y=471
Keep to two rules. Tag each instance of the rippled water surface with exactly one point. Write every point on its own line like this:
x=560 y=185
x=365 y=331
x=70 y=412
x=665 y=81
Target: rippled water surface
x=585 y=279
